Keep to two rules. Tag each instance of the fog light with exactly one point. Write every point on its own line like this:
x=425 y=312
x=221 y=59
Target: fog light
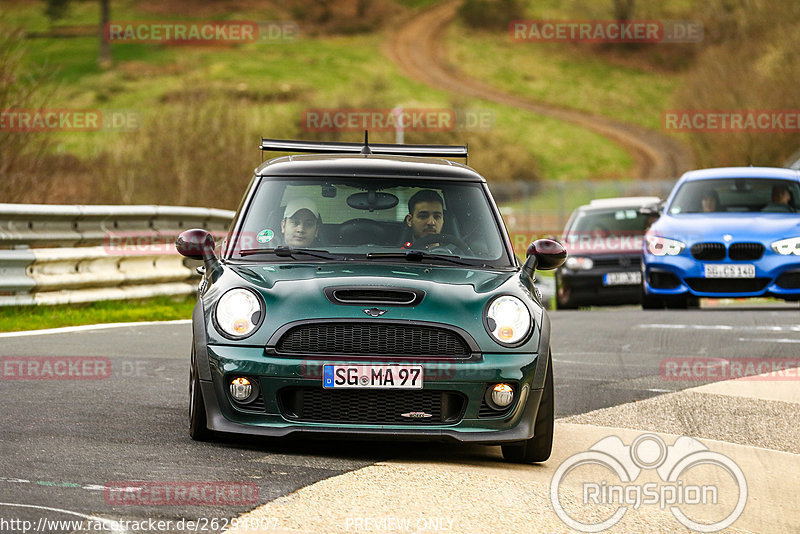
x=502 y=395
x=241 y=388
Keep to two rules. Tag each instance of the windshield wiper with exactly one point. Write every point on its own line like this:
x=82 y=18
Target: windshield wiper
x=289 y=252
x=418 y=256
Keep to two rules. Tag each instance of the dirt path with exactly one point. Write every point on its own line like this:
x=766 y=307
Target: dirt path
x=416 y=47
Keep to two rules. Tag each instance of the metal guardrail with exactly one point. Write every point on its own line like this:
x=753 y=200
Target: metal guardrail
x=53 y=254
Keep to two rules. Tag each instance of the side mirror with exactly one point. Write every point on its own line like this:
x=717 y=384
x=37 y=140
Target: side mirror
x=198 y=244
x=195 y=244
x=544 y=254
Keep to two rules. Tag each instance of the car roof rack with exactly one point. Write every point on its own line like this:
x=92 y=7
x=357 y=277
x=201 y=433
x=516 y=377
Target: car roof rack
x=326 y=147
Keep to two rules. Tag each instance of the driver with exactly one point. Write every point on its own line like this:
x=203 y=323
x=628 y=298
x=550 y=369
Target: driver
x=425 y=214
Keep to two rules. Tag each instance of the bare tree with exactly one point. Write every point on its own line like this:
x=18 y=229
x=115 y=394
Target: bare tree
x=105 y=46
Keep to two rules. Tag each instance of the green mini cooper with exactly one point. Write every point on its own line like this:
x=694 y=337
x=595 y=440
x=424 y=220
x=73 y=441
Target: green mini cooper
x=371 y=291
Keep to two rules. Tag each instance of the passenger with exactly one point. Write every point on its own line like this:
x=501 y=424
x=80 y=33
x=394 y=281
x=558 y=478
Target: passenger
x=300 y=222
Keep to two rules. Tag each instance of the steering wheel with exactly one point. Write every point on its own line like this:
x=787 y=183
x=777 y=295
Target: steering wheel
x=443 y=239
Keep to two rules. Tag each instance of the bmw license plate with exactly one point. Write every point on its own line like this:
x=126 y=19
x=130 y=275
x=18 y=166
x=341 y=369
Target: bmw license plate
x=622 y=279
x=730 y=271
x=372 y=376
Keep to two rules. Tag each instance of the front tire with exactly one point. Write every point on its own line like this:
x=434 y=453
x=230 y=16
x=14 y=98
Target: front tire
x=563 y=301
x=539 y=447
x=198 y=426
x=650 y=303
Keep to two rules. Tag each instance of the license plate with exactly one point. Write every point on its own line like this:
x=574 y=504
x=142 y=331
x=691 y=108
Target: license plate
x=622 y=279
x=372 y=376
x=730 y=271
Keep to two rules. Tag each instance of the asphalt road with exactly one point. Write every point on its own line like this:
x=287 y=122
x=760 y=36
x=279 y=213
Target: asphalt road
x=62 y=441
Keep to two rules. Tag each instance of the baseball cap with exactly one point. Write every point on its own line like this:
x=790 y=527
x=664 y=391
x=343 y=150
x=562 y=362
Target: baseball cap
x=297 y=204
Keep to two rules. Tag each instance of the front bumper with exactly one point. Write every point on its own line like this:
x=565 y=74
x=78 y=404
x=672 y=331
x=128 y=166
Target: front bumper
x=589 y=287
x=470 y=379
x=775 y=275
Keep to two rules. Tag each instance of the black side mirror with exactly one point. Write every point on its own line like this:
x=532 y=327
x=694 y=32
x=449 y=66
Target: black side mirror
x=544 y=254
x=198 y=244
x=195 y=244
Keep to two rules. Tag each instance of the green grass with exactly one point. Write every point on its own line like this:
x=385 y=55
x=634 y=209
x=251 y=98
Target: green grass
x=563 y=75
x=18 y=318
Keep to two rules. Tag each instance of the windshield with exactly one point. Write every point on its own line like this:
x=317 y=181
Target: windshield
x=601 y=230
x=379 y=219
x=736 y=195
x=625 y=221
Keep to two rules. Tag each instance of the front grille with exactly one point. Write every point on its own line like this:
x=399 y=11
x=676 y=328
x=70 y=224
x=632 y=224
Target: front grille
x=708 y=251
x=618 y=261
x=789 y=280
x=381 y=339
x=746 y=251
x=318 y=405
x=727 y=285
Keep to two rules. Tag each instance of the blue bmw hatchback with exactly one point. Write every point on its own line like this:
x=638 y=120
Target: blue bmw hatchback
x=727 y=232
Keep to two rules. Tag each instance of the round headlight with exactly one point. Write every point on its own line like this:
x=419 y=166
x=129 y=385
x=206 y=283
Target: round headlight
x=508 y=320
x=238 y=313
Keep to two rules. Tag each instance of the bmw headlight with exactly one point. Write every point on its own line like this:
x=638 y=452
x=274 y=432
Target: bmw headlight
x=576 y=263
x=508 y=320
x=784 y=247
x=239 y=313
x=661 y=246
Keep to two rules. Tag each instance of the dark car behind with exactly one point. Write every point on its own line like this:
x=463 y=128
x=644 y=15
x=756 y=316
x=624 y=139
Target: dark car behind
x=604 y=241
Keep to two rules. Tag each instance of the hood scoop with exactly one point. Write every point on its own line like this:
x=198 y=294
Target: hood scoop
x=374 y=296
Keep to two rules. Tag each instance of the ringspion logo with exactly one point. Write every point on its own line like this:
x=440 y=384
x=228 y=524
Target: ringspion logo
x=676 y=489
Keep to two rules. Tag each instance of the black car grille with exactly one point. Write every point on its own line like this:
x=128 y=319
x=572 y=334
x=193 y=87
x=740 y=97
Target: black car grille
x=618 y=261
x=381 y=339
x=727 y=285
x=708 y=251
x=746 y=251
x=318 y=405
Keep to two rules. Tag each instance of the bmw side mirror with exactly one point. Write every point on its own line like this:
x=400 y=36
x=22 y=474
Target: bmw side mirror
x=544 y=254
x=198 y=244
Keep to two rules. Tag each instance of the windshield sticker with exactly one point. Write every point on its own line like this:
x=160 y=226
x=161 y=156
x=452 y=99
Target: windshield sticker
x=265 y=236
